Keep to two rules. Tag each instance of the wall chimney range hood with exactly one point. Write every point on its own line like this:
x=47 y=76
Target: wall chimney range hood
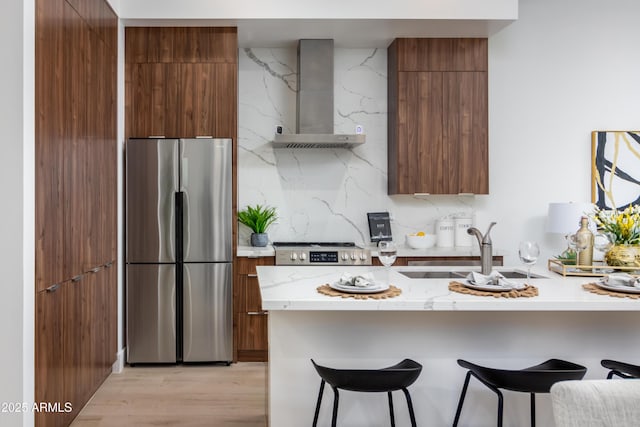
x=314 y=99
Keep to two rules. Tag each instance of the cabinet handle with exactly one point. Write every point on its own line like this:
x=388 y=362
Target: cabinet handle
x=466 y=194
x=95 y=269
x=257 y=313
x=252 y=275
x=77 y=278
x=108 y=264
x=53 y=288
x=421 y=194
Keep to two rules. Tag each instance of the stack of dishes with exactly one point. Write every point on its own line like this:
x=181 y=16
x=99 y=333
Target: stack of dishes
x=494 y=282
x=620 y=282
x=360 y=284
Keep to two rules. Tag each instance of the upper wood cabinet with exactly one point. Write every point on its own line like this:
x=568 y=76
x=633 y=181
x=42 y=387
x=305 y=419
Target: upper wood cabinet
x=438 y=120
x=181 y=45
x=181 y=82
x=182 y=100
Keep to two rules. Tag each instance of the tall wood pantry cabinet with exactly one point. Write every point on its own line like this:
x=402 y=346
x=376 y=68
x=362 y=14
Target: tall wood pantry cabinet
x=76 y=234
x=438 y=120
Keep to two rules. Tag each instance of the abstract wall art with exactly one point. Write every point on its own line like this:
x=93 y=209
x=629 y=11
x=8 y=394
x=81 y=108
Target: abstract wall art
x=615 y=169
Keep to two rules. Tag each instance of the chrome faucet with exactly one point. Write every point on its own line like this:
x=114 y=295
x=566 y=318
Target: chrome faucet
x=486 y=250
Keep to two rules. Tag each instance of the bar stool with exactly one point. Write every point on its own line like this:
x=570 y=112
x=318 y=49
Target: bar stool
x=396 y=377
x=535 y=379
x=621 y=369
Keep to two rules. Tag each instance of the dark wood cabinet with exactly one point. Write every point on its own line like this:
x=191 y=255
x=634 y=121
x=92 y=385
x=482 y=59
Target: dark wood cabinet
x=50 y=371
x=75 y=343
x=251 y=335
x=182 y=100
x=438 y=119
x=76 y=203
x=181 y=82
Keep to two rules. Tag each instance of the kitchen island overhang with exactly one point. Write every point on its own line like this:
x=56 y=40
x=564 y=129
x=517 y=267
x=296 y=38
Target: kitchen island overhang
x=435 y=327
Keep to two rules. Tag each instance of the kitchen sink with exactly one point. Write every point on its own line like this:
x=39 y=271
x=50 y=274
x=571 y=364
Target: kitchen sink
x=430 y=274
x=433 y=274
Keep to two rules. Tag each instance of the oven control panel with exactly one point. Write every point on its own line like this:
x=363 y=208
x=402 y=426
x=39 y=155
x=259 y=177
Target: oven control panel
x=323 y=256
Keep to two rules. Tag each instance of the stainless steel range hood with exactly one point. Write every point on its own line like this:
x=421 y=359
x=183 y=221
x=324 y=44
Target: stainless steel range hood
x=314 y=111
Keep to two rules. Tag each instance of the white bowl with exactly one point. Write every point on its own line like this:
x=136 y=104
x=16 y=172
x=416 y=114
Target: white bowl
x=421 y=242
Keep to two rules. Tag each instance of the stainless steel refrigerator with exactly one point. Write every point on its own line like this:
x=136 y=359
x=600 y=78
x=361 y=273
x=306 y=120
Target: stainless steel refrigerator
x=179 y=250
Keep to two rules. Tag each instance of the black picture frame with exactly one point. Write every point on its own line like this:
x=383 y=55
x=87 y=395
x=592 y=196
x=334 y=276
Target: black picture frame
x=379 y=226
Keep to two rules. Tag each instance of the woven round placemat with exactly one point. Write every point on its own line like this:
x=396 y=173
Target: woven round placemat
x=528 y=292
x=389 y=293
x=593 y=288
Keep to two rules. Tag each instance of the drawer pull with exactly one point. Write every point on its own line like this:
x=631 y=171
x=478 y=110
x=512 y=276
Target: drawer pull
x=53 y=288
x=77 y=278
x=257 y=313
x=95 y=269
x=252 y=275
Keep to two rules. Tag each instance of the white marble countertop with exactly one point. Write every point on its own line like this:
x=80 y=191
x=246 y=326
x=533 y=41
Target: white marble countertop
x=294 y=288
x=254 y=251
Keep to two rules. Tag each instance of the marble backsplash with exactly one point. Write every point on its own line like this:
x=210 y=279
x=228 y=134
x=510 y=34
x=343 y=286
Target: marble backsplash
x=324 y=194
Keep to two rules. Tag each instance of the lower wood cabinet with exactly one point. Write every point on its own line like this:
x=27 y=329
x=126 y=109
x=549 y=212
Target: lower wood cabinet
x=75 y=347
x=251 y=321
x=49 y=361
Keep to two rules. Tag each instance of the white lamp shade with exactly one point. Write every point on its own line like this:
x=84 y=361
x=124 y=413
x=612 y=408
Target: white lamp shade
x=564 y=218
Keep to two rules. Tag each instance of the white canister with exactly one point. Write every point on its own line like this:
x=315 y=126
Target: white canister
x=462 y=238
x=445 y=233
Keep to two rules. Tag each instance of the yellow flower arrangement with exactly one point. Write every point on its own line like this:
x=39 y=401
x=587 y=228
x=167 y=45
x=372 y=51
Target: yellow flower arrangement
x=623 y=227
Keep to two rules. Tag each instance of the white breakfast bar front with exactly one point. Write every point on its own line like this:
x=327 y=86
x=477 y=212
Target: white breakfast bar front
x=435 y=327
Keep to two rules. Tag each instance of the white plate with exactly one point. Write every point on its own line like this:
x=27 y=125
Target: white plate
x=376 y=287
x=625 y=289
x=490 y=288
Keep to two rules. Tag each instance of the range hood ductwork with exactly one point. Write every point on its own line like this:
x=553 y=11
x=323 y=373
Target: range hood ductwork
x=314 y=101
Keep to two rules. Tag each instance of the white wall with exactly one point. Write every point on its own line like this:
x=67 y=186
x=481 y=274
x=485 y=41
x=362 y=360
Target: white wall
x=120 y=147
x=559 y=72
x=12 y=223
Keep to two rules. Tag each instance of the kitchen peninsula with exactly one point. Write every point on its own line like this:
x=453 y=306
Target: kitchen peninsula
x=435 y=327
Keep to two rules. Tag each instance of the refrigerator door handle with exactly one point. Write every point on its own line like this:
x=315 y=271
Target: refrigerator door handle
x=179 y=215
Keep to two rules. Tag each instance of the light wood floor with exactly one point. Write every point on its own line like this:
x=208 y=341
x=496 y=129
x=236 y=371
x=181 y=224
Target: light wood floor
x=191 y=396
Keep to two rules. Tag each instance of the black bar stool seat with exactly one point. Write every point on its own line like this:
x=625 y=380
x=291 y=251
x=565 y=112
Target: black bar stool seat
x=392 y=378
x=621 y=369
x=532 y=380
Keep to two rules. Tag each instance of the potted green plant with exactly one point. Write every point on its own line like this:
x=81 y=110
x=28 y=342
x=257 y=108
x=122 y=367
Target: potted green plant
x=258 y=218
